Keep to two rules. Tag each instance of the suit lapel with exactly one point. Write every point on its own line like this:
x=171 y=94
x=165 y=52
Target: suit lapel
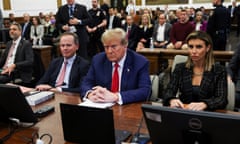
x=18 y=49
x=107 y=73
x=73 y=71
x=127 y=70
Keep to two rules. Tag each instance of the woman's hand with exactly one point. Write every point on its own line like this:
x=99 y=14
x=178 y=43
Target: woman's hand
x=196 y=106
x=176 y=103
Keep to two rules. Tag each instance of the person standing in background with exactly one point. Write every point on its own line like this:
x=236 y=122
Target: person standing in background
x=130 y=7
x=95 y=29
x=218 y=25
x=74 y=17
x=26 y=26
x=105 y=7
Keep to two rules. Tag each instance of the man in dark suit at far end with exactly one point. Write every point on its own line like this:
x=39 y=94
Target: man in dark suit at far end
x=17 y=59
x=117 y=75
x=65 y=73
x=74 y=17
x=26 y=26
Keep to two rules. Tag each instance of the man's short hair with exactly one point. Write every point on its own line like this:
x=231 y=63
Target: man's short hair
x=75 y=36
x=116 y=33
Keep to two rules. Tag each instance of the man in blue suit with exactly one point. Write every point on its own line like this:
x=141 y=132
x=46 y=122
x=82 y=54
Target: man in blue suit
x=134 y=83
x=71 y=67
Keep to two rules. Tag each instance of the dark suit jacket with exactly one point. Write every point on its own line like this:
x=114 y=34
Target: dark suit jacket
x=26 y=33
x=234 y=66
x=116 y=22
x=80 y=12
x=213 y=87
x=133 y=36
x=23 y=59
x=79 y=69
x=145 y=34
x=167 y=30
x=135 y=80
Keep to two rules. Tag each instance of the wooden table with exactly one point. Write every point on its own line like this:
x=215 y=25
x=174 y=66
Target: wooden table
x=45 y=52
x=157 y=54
x=126 y=117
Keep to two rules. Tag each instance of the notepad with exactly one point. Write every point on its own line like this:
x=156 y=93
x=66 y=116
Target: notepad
x=89 y=103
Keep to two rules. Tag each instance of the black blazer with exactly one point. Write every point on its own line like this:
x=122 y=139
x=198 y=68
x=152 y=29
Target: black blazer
x=145 y=34
x=80 y=12
x=133 y=36
x=79 y=69
x=213 y=87
x=23 y=59
x=234 y=66
x=26 y=33
x=116 y=22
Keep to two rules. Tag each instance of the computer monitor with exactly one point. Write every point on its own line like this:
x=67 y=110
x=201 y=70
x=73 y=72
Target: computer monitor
x=13 y=104
x=178 y=126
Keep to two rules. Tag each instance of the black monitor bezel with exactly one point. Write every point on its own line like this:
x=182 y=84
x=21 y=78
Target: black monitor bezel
x=13 y=105
x=175 y=129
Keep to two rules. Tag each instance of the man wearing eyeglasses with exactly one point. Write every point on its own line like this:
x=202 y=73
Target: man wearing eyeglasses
x=117 y=75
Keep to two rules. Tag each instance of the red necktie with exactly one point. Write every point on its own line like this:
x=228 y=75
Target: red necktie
x=10 y=54
x=115 y=79
x=128 y=32
x=62 y=74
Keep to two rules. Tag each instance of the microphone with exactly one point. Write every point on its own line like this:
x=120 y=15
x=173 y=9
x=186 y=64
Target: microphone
x=139 y=138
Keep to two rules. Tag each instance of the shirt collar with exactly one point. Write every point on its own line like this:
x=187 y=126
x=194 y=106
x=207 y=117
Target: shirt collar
x=17 y=41
x=121 y=62
x=71 y=59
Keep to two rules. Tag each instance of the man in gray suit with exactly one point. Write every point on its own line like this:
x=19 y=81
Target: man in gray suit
x=17 y=59
x=161 y=32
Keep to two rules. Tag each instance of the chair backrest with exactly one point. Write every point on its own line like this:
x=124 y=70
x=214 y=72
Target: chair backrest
x=178 y=59
x=155 y=87
x=230 y=95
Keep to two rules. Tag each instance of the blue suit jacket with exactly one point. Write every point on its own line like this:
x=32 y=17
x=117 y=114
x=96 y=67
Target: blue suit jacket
x=135 y=81
x=79 y=69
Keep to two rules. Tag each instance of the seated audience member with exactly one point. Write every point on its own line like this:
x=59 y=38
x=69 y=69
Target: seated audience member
x=65 y=73
x=161 y=32
x=132 y=33
x=37 y=30
x=199 y=23
x=117 y=75
x=234 y=73
x=180 y=31
x=51 y=36
x=199 y=82
x=145 y=31
x=12 y=17
x=113 y=21
x=6 y=23
x=17 y=59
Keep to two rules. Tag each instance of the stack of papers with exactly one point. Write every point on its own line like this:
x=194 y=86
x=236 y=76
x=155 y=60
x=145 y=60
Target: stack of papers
x=89 y=103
